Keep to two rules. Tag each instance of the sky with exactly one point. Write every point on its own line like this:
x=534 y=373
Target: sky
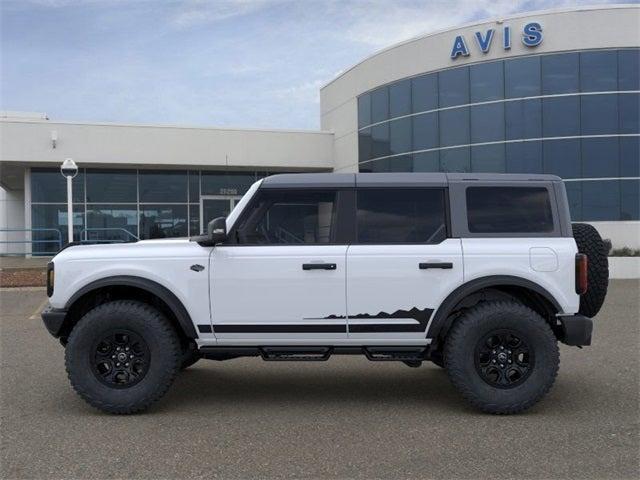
x=227 y=63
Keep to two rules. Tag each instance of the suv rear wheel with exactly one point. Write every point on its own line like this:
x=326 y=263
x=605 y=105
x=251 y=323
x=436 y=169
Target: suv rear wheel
x=122 y=356
x=502 y=356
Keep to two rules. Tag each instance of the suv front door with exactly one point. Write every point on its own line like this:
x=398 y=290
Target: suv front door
x=401 y=266
x=281 y=277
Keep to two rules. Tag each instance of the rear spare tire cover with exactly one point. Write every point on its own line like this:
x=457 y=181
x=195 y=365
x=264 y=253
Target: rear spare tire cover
x=590 y=243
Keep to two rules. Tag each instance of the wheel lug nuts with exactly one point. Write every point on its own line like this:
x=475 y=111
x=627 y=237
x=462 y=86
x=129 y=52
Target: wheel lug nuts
x=493 y=361
x=493 y=351
x=509 y=361
x=501 y=366
x=113 y=356
x=117 y=364
x=130 y=356
x=126 y=364
x=127 y=349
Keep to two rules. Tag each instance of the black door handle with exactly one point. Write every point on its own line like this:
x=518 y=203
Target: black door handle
x=443 y=265
x=318 y=266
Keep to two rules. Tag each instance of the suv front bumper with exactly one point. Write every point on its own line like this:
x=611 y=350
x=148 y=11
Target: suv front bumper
x=53 y=319
x=576 y=330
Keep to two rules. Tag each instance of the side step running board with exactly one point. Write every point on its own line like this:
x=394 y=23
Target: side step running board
x=318 y=353
x=391 y=354
x=298 y=354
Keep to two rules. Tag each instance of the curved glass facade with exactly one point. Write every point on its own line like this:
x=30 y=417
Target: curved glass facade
x=575 y=115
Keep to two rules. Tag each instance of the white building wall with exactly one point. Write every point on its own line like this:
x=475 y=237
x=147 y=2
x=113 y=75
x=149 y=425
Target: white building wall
x=11 y=217
x=30 y=141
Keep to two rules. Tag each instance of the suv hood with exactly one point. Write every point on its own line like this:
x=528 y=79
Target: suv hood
x=162 y=247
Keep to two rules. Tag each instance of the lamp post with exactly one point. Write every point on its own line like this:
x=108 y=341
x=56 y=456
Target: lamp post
x=69 y=169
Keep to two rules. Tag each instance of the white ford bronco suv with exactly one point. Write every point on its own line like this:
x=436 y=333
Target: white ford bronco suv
x=481 y=274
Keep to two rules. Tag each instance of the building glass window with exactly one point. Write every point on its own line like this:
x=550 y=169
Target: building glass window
x=599 y=71
x=599 y=114
x=425 y=131
x=629 y=112
x=523 y=119
x=522 y=77
x=379 y=104
x=600 y=200
x=400 y=99
x=107 y=222
x=487 y=81
x=401 y=216
x=453 y=87
x=194 y=186
x=630 y=156
x=400 y=135
x=163 y=221
x=112 y=186
x=629 y=200
x=454 y=127
x=426 y=161
x=364 y=145
x=455 y=160
x=561 y=116
x=380 y=140
x=574 y=195
x=600 y=157
x=488 y=158
x=163 y=186
x=562 y=158
x=364 y=110
x=629 y=69
x=560 y=73
x=424 y=93
x=49 y=186
x=487 y=123
x=53 y=217
x=194 y=219
x=523 y=157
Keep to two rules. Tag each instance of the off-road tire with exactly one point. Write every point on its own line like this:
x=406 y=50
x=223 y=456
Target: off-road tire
x=189 y=356
x=590 y=243
x=146 y=322
x=472 y=327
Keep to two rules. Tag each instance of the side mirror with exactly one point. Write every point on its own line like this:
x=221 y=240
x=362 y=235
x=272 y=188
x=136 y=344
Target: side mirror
x=217 y=230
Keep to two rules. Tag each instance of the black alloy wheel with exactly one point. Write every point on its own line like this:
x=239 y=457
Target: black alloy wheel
x=120 y=359
x=504 y=359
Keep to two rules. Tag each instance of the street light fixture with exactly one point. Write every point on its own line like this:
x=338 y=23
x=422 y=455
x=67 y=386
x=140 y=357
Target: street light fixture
x=69 y=169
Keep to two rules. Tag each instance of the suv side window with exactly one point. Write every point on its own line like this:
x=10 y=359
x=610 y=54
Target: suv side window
x=291 y=217
x=394 y=215
x=509 y=210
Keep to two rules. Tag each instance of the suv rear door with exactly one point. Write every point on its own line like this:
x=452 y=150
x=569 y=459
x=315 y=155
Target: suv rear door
x=402 y=264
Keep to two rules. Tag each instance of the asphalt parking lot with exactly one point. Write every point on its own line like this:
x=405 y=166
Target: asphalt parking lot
x=346 y=418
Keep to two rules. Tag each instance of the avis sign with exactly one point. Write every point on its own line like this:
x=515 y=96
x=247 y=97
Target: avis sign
x=531 y=37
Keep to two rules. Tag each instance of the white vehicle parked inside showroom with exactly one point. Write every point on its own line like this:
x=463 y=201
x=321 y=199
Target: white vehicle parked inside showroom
x=481 y=274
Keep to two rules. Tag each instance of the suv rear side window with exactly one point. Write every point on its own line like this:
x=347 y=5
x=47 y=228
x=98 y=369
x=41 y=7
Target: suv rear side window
x=509 y=210
x=394 y=215
x=290 y=218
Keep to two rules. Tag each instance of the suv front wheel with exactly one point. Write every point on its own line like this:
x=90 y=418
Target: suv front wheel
x=502 y=356
x=122 y=356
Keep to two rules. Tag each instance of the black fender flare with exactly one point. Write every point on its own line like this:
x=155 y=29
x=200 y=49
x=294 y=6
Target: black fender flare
x=469 y=288
x=154 y=288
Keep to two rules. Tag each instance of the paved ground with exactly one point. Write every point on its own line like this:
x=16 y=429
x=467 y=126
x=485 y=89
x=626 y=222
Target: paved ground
x=348 y=418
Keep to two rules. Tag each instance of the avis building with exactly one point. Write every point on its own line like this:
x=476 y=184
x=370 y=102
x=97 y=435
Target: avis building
x=548 y=92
